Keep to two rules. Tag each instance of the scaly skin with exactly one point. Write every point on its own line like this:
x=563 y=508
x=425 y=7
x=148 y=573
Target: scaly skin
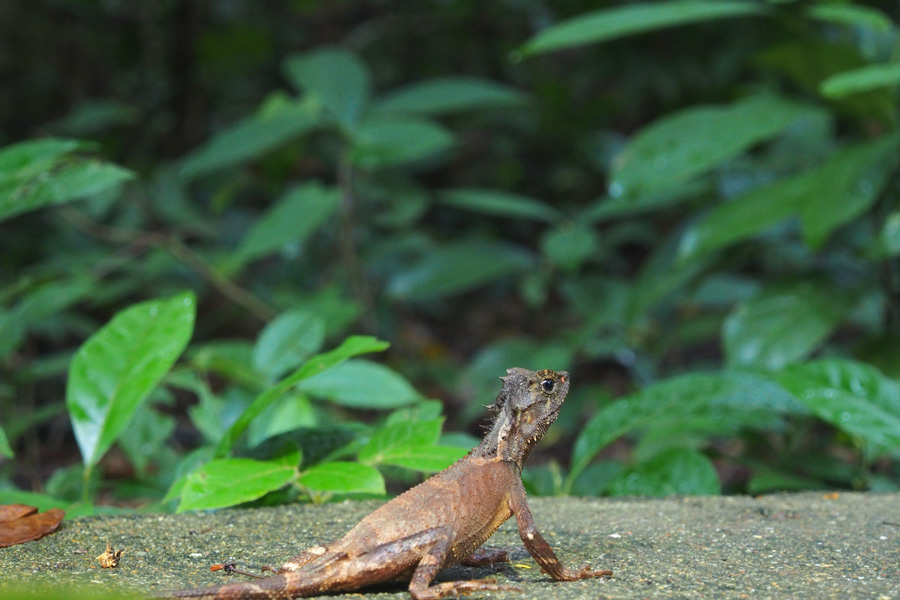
x=440 y=522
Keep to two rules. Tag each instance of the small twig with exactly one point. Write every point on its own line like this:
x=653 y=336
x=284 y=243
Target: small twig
x=178 y=249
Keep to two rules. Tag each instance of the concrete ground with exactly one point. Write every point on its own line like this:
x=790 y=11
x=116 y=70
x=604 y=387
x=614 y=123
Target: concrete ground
x=810 y=545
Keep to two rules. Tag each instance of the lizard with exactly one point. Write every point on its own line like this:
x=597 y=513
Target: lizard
x=440 y=522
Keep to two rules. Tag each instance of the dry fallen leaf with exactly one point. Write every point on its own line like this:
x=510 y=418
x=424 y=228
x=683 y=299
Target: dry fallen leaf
x=20 y=524
x=110 y=559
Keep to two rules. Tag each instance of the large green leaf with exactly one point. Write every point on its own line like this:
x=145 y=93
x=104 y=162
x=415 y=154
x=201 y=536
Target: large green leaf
x=678 y=471
x=501 y=204
x=782 y=325
x=735 y=400
x=383 y=143
x=40 y=173
x=118 y=367
x=343 y=478
x=427 y=458
x=459 y=267
x=682 y=145
x=864 y=79
x=361 y=384
x=290 y=221
x=450 y=95
x=352 y=346
x=825 y=197
x=336 y=78
x=230 y=481
x=395 y=436
x=850 y=14
x=608 y=24
x=853 y=397
x=277 y=123
x=286 y=341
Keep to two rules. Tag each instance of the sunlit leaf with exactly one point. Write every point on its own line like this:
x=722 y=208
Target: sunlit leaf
x=118 y=367
x=343 y=478
x=391 y=437
x=230 y=481
x=350 y=347
x=361 y=384
x=291 y=220
x=427 y=458
x=500 y=204
x=294 y=411
x=336 y=78
x=608 y=24
x=782 y=325
x=682 y=145
x=459 y=267
x=450 y=95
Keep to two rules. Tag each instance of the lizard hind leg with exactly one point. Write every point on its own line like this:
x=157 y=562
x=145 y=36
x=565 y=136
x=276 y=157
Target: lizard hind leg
x=420 y=587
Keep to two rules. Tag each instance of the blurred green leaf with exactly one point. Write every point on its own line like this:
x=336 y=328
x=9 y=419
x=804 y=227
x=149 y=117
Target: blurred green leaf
x=253 y=136
x=782 y=325
x=5 y=450
x=448 y=95
x=361 y=384
x=336 y=78
x=291 y=220
x=500 y=204
x=825 y=197
x=39 y=173
x=427 y=458
x=144 y=438
x=846 y=185
x=569 y=245
x=458 y=267
x=229 y=481
x=864 y=79
x=682 y=145
x=853 y=397
x=394 y=436
x=609 y=24
x=118 y=367
x=679 y=471
x=350 y=347
x=851 y=14
x=735 y=399
x=379 y=144
x=343 y=478
x=286 y=341
x=293 y=411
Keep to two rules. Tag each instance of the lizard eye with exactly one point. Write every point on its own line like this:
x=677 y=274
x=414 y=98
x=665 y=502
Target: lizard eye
x=548 y=385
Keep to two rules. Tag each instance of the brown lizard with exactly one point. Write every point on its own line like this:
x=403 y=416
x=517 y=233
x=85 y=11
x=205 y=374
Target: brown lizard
x=440 y=522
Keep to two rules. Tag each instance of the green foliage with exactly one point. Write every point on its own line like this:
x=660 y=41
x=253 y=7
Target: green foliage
x=707 y=240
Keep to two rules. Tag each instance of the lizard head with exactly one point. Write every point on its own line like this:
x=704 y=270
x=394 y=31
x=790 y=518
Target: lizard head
x=526 y=406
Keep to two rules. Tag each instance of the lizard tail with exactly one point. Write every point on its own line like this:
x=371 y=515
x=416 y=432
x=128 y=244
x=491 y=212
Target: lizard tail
x=284 y=586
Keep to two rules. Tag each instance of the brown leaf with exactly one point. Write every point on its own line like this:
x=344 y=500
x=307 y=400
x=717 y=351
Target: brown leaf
x=9 y=512
x=30 y=527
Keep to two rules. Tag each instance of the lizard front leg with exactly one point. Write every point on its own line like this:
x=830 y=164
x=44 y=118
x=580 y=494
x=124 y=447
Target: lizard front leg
x=420 y=587
x=538 y=547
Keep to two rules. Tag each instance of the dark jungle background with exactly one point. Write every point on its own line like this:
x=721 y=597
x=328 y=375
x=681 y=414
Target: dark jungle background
x=258 y=252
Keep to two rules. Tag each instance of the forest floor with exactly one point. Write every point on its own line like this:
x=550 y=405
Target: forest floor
x=807 y=545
